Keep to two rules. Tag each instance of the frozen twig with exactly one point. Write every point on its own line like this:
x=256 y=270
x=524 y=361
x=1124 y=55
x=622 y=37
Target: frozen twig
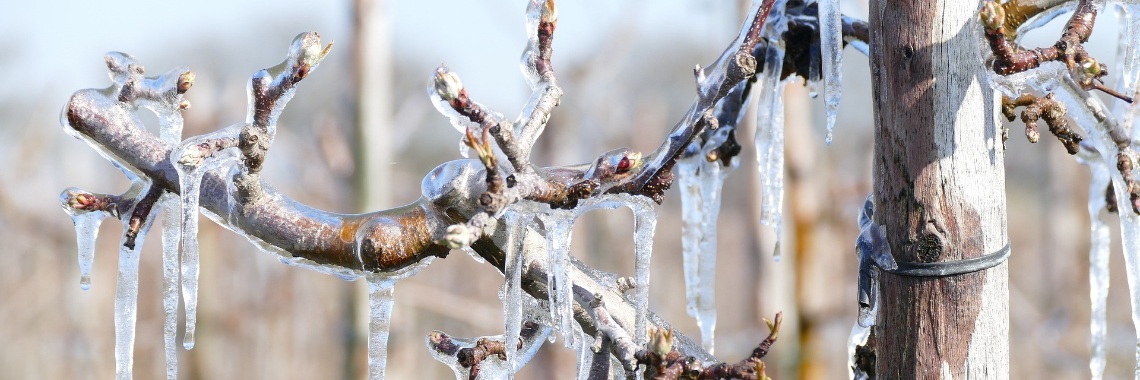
x=663 y=362
x=1009 y=57
x=1042 y=108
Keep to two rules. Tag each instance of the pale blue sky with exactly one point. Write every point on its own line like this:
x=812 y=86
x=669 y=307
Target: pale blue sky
x=57 y=47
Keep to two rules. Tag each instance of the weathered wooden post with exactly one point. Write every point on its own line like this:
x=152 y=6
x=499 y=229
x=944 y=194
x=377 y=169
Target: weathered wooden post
x=940 y=192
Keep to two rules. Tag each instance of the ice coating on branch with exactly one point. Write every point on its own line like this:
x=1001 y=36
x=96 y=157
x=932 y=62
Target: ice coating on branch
x=1099 y=244
x=1127 y=66
x=858 y=337
x=127 y=291
x=444 y=347
x=443 y=87
x=583 y=354
x=700 y=185
x=1090 y=113
x=831 y=46
x=193 y=160
x=536 y=10
x=560 y=223
x=86 y=231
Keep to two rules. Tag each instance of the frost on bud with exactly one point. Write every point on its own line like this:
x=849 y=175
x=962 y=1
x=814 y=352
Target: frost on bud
x=549 y=12
x=660 y=341
x=76 y=201
x=615 y=164
x=185 y=81
x=993 y=15
x=459 y=236
x=1091 y=67
x=194 y=155
x=306 y=49
x=447 y=84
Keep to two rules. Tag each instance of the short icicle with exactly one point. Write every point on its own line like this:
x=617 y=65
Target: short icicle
x=380 y=297
x=560 y=225
x=86 y=231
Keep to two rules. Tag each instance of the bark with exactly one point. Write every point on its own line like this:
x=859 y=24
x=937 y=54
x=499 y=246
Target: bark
x=939 y=190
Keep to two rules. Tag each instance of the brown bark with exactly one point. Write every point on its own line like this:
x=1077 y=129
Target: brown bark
x=939 y=190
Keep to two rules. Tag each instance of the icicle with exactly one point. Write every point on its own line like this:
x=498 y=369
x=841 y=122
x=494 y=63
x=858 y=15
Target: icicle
x=513 y=268
x=127 y=292
x=380 y=292
x=191 y=167
x=645 y=224
x=1128 y=66
x=171 y=234
x=380 y=321
x=86 y=230
x=583 y=355
x=559 y=225
x=770 y=148
x=1090 y=113
x=770 y=126
x=831 y=46
x=701 y=183
x=1100 y=242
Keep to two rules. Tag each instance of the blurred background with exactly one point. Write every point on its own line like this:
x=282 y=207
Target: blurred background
x=361 y=133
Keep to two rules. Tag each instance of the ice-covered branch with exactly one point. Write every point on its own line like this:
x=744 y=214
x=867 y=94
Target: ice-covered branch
x=1009 y=57
x=464 y=203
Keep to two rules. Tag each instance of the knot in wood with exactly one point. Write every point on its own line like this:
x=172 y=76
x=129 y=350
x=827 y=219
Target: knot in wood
x=929 y=248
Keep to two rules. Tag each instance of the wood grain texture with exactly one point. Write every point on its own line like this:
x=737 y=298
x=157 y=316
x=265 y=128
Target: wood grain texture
x=939 y=190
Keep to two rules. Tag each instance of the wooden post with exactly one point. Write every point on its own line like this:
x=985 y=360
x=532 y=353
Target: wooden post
x=940 y=192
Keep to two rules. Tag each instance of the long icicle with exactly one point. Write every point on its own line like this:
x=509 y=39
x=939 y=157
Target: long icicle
x=127 y=291
x=831 y=46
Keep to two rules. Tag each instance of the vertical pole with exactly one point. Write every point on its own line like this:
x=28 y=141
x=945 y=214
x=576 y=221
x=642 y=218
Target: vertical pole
x=940 y=192
x=372 y=47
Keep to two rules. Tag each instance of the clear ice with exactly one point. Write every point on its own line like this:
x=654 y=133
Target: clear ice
x=769 y=138
x=492 y=367
x=559 y=225
x=190 y=173
x=1099 y=245
x=513 y=298
x=831 y=46
x=700 y=183
x=380 y=299
x=86 y=231
x=171 y=237
x=127 y=292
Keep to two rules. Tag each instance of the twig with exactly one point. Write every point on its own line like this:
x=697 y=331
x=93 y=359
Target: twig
x=1009 y=57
